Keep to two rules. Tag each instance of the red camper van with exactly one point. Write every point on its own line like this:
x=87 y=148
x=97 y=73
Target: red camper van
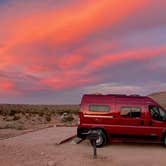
x=122 y=116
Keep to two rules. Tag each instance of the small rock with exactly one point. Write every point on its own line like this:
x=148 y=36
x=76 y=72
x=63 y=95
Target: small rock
x=76 y=140
x=51 y=163
x=42 y=153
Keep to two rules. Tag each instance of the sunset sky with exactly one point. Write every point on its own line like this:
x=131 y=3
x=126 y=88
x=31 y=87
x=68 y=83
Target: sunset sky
x=53 y=51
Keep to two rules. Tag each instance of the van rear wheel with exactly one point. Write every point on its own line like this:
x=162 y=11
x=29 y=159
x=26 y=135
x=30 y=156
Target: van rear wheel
x=164 y=140
x=102 y=139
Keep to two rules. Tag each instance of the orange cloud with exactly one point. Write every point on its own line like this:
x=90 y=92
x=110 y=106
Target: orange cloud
x=67 y=25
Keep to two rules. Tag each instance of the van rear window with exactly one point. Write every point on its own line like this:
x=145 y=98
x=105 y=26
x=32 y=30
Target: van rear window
x=99 y=108
x=130 y=111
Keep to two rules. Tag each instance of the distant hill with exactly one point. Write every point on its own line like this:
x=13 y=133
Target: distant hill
x=160 y=97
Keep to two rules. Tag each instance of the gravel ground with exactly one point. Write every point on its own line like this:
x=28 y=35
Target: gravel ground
x=40 y=149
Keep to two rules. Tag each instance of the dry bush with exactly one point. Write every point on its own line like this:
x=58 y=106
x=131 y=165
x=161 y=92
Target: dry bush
x=9 y=118
x=48 y=118
x=12 y=112
x=31 y=115
x=12 y=125
x=16 y=117
x=12 y=109
x=41 y=114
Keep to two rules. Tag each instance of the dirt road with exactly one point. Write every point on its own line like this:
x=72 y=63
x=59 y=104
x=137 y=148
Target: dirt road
x=40 y=149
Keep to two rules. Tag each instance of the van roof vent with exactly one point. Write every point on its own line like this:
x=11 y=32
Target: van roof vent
x=96 y=93
x=116 y=95
x=135 y=95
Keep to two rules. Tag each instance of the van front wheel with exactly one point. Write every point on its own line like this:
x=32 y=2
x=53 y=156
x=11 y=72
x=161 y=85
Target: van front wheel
x=102 y=139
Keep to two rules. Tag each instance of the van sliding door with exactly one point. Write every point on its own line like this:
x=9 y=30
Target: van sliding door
x=131 y=120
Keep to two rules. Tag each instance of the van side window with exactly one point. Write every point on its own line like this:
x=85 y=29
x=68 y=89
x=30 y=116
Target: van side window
x=99 y=108
x=157 y=113
x=130 y=112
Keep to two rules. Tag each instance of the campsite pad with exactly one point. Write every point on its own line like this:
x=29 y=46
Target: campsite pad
x=40 y=149
x=45 y=136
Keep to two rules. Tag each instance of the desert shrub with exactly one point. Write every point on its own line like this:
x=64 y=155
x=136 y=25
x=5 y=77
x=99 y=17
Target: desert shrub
x=12 y=112
x=41 y=110
x=16 y=126
x=9 y=118
x=13 y=125
x=48 y=118
x=16 y=117
x=41 y=114
x=27 y=116
x=5 y=112
x=23 y=113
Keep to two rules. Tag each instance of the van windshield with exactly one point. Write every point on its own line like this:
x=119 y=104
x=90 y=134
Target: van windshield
x=157 y=113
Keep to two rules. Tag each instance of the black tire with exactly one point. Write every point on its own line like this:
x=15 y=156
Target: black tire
x=102 y=138
x=164 y=140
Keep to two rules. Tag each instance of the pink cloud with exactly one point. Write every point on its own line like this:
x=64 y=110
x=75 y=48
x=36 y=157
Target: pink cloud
x=8 y=87
x=70 y=61
x=63 y=26
x=63 y=83
x=25 y=37
x=143 y=54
